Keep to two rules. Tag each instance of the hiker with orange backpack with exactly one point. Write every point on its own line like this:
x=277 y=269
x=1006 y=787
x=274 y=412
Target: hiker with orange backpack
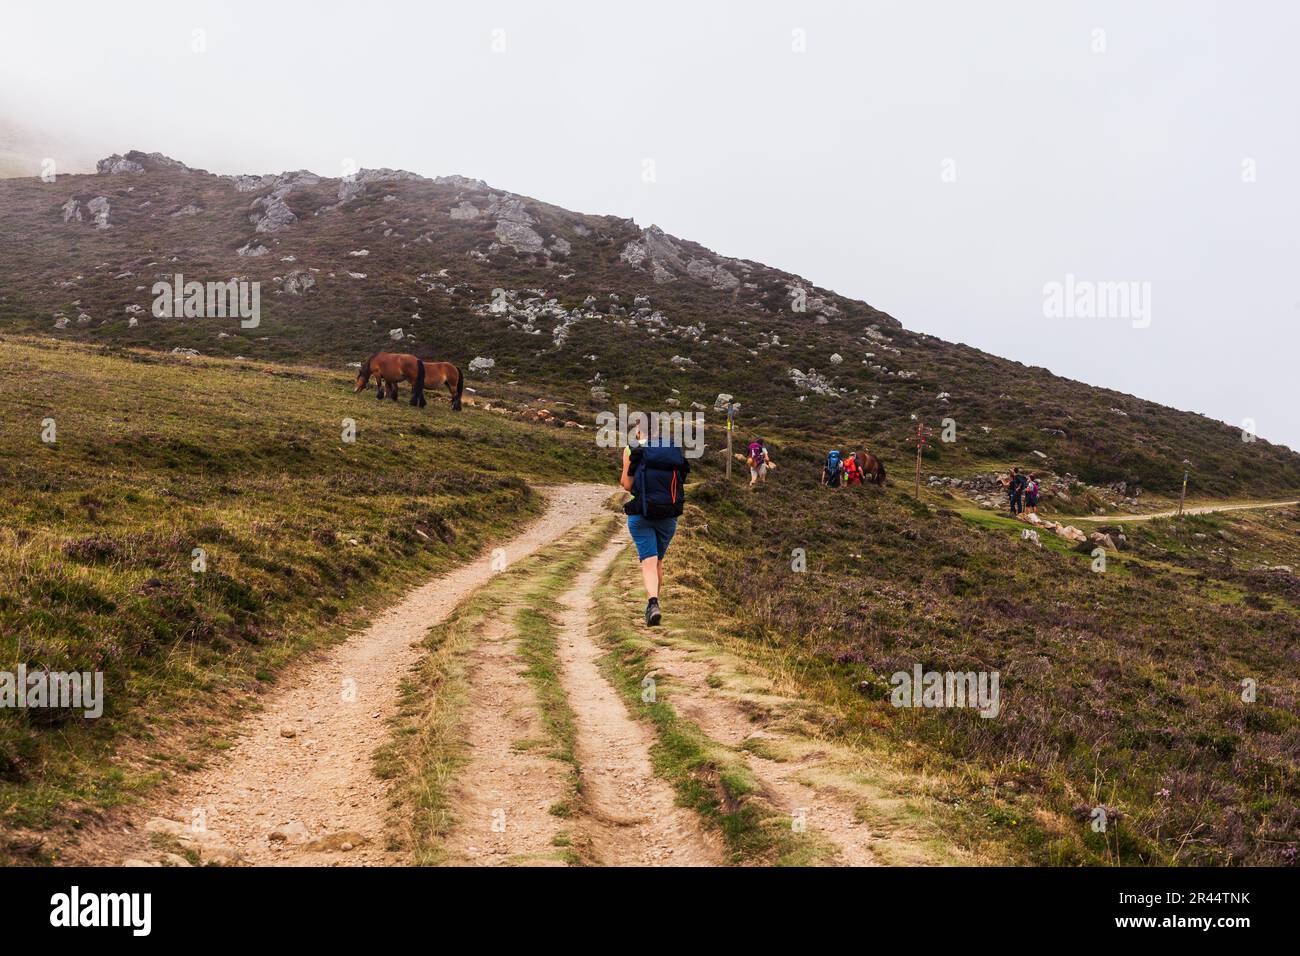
x=852 y=470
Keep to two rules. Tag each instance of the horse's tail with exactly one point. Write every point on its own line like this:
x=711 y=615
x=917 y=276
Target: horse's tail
x=880 y=473
x=417 y=398
x=460 y=389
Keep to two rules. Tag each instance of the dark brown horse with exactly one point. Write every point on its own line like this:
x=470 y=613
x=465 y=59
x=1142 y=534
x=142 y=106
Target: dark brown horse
x=390 y=369
x=872 y=468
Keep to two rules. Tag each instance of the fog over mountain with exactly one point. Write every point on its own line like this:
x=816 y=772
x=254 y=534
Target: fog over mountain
x=980 y=157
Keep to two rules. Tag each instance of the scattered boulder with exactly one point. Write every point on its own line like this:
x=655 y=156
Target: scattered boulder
x=99 y=209
x=298 y=282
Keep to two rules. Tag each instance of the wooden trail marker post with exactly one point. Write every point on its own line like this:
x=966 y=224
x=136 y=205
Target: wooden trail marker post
x=731 y=409
x=920 y=444
x=1182 y=497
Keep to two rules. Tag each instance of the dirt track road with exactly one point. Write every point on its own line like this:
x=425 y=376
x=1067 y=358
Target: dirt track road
x=1193 y=510
x=298 y=787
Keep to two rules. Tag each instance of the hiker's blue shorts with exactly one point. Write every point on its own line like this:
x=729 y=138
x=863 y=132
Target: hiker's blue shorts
x=651 y=535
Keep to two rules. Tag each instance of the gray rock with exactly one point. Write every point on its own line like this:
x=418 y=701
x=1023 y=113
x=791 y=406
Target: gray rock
x=98 y=207
x=518 y=236
x=298 y=282
x=353 y=186
x=117 y=164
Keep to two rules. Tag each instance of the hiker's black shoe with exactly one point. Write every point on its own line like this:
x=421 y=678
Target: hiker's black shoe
x=652 y=614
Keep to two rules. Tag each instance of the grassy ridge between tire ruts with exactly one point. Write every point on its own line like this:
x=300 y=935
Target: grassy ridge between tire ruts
x=300 y=531
x=428 y=748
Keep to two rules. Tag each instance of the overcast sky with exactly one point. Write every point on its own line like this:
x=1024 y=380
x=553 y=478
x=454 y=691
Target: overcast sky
x=943 y=161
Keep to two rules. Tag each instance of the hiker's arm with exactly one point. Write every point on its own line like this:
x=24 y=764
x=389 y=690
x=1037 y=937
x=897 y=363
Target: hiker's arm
x=626 y=480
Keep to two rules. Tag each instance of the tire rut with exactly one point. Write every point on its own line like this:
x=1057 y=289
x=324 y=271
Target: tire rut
x=632 y=815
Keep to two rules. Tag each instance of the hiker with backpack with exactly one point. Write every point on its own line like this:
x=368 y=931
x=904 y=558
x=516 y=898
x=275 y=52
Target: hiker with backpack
x=760 y=462
x=1015 y=491
x=852 y=470
x=1031 y=494
x=654 y=471
x=833 y=470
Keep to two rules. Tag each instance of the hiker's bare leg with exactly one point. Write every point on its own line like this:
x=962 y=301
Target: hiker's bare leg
x=653 y=576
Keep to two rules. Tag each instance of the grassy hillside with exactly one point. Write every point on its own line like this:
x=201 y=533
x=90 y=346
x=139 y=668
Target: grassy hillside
x=1120 y=689
x=156 y=456
x=593 y=302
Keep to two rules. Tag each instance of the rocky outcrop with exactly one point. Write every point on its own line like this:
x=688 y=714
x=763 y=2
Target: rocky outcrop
x=464 y=182
x=661 y=254
x=99 y=208
x=518 y=236
x=136 y=161
x=812 y=382
x=514 y=224
x=275 y=213
x=96 y=210
x=655 y=250
x=355 y=185
x=116 y=164
x=714 y=275
x=298 y=282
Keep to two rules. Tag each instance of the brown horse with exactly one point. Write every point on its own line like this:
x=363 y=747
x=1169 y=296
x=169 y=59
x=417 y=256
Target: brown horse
x=872 y=468
x=390 y=369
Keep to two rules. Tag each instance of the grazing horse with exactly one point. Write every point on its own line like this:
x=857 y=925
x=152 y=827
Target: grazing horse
x=390 y=369
x=871 y=467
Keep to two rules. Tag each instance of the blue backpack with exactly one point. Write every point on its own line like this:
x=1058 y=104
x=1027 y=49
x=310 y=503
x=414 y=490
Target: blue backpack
x=658 y=482
x=833 y=469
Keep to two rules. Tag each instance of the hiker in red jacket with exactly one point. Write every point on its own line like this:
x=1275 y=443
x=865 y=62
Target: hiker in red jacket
x=852 y=471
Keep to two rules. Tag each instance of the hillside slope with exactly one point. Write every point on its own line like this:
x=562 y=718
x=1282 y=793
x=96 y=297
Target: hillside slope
x=589 y=307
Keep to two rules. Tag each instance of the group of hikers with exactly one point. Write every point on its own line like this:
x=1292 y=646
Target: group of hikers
x=1022 y=492
x=852 y=469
